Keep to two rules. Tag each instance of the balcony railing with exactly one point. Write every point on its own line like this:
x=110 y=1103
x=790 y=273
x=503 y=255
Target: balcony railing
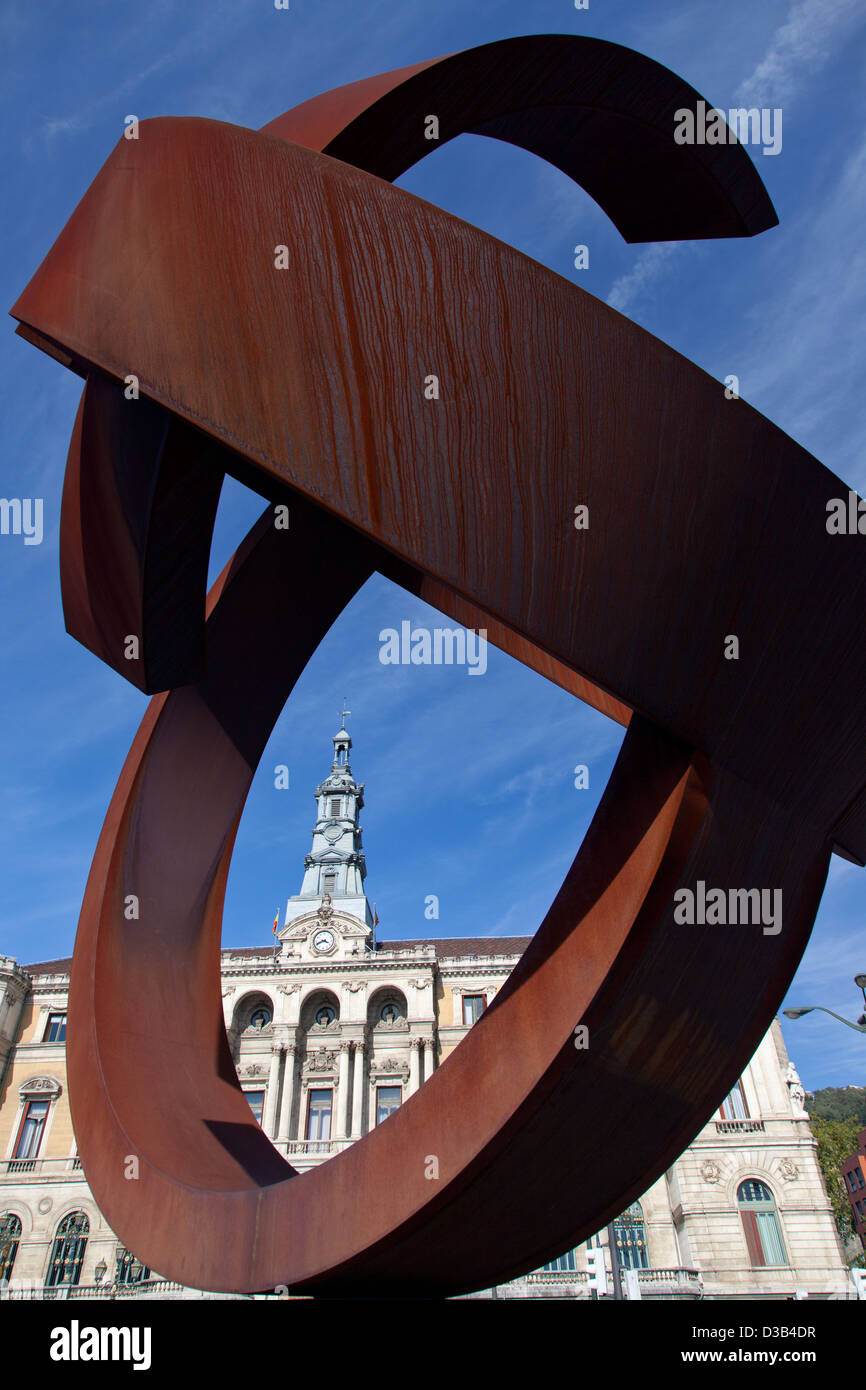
x=654 y=1283
x=558 y=1276
x=689 y=1277
x=44 y=1167
x=147 y=1288
x=316 y=1148
x=739 y=1126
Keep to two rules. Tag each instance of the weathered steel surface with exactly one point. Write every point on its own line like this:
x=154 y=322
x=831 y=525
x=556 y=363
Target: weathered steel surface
x=600 y=112
x=139 y=502
x=705 y=520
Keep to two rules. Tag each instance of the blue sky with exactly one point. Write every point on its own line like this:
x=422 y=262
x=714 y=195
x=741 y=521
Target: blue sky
x=469 y=780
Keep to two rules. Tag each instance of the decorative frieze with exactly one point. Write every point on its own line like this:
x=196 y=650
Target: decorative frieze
x=321 y=1060
x=40 y=1086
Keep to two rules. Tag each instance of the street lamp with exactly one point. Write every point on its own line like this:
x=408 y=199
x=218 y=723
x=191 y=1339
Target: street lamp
x=859 y=1026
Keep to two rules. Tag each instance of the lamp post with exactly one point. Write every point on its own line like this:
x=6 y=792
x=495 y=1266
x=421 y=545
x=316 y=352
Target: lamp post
x=859 y=1026
x=99 y=1274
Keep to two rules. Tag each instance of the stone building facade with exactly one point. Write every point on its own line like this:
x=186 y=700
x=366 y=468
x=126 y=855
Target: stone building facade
x=331 y=1030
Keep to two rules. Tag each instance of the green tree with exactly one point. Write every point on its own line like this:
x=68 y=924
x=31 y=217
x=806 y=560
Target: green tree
x=838 y=1103
x=837 y=1140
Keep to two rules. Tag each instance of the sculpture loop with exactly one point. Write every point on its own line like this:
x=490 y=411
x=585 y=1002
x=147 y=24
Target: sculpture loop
x=706 y=521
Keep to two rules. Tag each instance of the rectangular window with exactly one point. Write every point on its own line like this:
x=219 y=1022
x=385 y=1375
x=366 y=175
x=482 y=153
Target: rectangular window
x=753 y=1239
x=56 y=1030
x=257 y=1103
x=319 y=1115
x=473 y=1007
x=388 y=1099
x=734 y=1107
x=564 y=1263
x=32 y=1129
x=329 y=882
x=335 y=806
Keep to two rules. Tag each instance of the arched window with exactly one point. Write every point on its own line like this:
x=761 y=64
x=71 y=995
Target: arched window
x=129 y=1269
x=630 y=1235
x=10 y=1234
x=67 y=1255
x=761 y=1224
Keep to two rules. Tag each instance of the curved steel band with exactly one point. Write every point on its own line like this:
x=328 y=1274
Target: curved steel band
x=705 y=521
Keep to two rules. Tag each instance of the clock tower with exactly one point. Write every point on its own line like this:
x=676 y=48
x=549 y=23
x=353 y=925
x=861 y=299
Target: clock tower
x=335 y=868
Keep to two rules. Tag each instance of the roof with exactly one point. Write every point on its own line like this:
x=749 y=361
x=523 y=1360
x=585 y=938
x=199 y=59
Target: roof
x=465 y=945
x=50 y=967
x=451 y=946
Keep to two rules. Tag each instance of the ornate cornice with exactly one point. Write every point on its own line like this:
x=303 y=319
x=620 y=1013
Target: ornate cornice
x=40 y=1086
x=389 y=1066
x=499 y=966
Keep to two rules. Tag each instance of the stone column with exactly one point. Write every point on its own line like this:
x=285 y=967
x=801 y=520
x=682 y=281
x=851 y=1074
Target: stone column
x=273 y=1086
x=342 y=1128
x=414 y=1058
x=357 y=1090
x=288 y=1095
x=428 y=1058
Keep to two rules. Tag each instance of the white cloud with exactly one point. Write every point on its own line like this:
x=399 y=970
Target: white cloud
x=649 y=266
x=808 y=330
x=812 y=32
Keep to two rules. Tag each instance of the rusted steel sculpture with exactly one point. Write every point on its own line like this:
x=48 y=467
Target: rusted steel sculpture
x=706 y=521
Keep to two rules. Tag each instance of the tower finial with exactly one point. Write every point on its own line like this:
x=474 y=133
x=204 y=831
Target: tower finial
x=345 y=712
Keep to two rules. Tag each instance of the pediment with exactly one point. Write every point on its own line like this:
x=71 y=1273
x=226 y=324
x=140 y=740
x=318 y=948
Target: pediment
x=342 y=923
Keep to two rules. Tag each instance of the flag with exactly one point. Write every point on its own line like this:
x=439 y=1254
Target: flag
x=375 y=916
x=276 y=921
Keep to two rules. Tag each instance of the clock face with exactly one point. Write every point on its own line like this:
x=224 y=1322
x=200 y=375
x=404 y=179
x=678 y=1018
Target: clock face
x=323 y=941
